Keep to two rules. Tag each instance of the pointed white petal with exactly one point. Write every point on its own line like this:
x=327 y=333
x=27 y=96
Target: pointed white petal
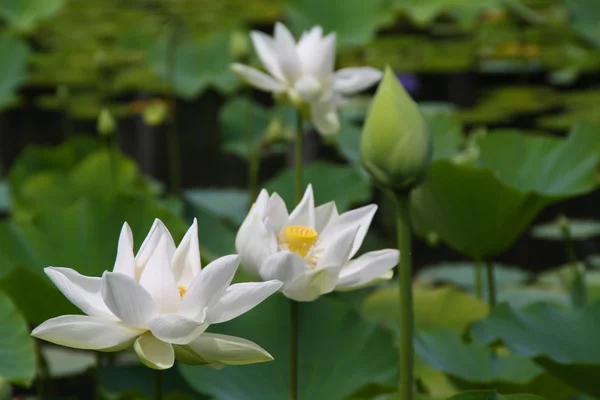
x=186 y=261
x=307 y=44
x=304 y=213
x=367 y=268
x=125 y=262
x=324 y=214
x=309 y=88
x=265 y=48
x=224 y=349
x=320 y=61
x=157 y=278
x=324 y=117
x=89 y=333
x=258 y=79
x=283 y=266
x=276 y=214
x=240 y=298
x=254 y=243
x=208 y=287
x=177 y=329
x=360 y=217
x=308 y=286
x=127 y=299
x=353 y=80
x=285 y=46
x=335 y=255
x=157 y=231
x=154 y=353
x=83 y=291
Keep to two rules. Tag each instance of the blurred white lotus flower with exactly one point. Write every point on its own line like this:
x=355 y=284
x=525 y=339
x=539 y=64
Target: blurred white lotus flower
x=310 y=249
x=161 y=301
x=305 y=71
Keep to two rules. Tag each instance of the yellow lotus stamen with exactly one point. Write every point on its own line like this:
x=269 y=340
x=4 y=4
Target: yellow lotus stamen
x=182 y=291
x=298 y=239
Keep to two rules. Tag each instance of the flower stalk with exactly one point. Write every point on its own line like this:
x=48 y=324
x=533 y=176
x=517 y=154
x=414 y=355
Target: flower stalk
x=174 y=154
x=157 y=384
x=491 y=281
x=478 y=276
x=578 y=287
x=405 y=352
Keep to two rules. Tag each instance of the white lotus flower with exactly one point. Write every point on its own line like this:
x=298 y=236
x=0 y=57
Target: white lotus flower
x=310 y=250
x=305 y=70
x=161 y=301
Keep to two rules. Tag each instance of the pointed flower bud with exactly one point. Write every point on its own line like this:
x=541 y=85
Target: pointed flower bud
x=396 y=146
x=106 y=124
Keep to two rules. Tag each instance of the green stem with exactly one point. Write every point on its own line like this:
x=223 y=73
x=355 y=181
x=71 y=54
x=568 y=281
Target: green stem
x=43 y=372
x=157 y=385
x=478 y=279
x=299 y=146
x=293 y=350
x=111 y=147
x=578 y=288
x=406 y=356
x=174 y=154
x=254 y=156
x=491 y=283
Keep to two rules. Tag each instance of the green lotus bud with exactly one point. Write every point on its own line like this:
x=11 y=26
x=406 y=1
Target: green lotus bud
x=239 y=45
x=396 y=146
x=156 y=113
x=106 y=125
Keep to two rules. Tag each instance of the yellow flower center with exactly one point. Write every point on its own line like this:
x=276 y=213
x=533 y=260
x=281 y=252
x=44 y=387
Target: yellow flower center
x=298 y=239
x=182 y=291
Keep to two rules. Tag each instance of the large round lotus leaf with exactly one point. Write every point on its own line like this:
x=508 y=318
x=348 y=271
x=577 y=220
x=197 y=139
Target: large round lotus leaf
x=17 y=356
x=462 y=274
x=545 y=165
x=492 y=395
x=473 y=366
x=471 y=210
x=338 y=354
x=579 y=229
x=564 y=342
x=434 y=307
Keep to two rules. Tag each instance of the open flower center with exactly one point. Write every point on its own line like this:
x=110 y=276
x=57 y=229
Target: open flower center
x=182 y=291
x=298 y=239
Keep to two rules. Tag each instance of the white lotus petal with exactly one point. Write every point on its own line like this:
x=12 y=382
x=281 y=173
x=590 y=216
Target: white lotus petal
x=353 y=80
x=285 y=46
x=208 y=287
x=367 y=268
x=157 y=278
x=125 y=262
x=304 y=213
x=283 y=266
x=308 y=286
x=381 y=278
x=177 y=329
x=85 y=332
x=154 y=353
x=157 y=231
x=360 y=218
x=254 y=243
x=335 y=256
x=83 y=291
x=276 y=214
x=265 y=48
x=307 y=43
x=320 y=61
x=258 y=79
x=324 y=214
x=127 y=299
x=186 y=261
x=240 y=298
x=308 y=87
x=228 y=350
x=324 y=117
